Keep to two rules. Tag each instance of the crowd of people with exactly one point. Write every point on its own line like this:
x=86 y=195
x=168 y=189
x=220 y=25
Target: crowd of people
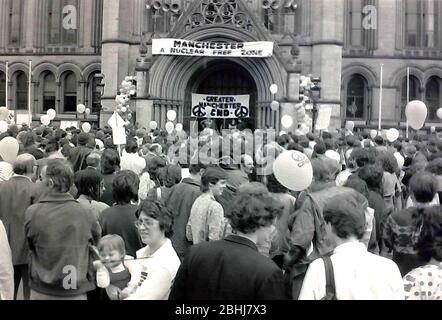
x=84 y=219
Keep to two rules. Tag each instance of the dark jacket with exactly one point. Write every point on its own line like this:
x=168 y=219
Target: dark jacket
x=179 y=201
x=16 y=195
x=59 y=232
x=120 y=220
x=107 y=196
x=77 y=157
x=228 y=269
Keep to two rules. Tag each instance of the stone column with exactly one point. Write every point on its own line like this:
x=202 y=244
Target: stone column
x=115 y=51
x=29 y=25
x=327 y=43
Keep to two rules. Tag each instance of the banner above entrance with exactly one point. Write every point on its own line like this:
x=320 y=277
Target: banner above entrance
x=180 y=47
x=226 y=106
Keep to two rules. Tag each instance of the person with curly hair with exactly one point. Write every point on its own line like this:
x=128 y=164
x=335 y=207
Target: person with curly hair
x=425 y=282
x=232 y=268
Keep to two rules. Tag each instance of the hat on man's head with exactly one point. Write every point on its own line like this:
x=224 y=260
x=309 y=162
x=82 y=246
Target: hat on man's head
x=83 y=139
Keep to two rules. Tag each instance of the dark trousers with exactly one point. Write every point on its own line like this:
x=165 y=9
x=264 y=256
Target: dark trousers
x=21 y=272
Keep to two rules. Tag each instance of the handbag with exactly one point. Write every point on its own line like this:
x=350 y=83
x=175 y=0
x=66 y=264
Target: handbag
x=330 y=289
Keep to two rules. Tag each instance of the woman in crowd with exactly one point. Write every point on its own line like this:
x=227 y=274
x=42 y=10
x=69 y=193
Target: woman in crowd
x=120 y=218
x=401 y=225
x=157 y=262
x=90 y=187
x=425 y=282
x=110 y=165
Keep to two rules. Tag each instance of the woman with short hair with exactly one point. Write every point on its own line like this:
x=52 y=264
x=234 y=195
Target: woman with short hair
x=120 y=218
x=425 y=282
x=400 y=226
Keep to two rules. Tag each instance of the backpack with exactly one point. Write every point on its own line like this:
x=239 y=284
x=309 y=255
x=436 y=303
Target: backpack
x=330 y=279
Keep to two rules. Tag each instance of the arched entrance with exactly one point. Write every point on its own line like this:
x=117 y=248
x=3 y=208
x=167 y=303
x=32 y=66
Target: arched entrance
x=222 y=77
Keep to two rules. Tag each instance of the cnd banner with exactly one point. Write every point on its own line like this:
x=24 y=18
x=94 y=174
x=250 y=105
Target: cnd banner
x=179 y=47
x=226 y=106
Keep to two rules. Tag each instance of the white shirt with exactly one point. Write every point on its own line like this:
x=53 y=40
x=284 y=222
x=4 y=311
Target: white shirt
x=133 y=162
x=157 y=272
x=359 y=275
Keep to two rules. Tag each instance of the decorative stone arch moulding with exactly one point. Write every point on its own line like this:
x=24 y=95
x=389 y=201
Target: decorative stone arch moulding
x=177 y=70
x=396 y=79
x=90 y=69
x=69 y=67
x=18 y=66
x=361 y=69
x=43 y=67
x=432 y=71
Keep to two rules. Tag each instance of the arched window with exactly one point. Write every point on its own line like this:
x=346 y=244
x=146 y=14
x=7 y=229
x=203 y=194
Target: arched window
x=69 y=85
x=21 y=91
x=49 y=91
x=421 y=23
x=432 y=96
x=414 y=93
x=357 y=92
x=61 y=29
x=2 y=89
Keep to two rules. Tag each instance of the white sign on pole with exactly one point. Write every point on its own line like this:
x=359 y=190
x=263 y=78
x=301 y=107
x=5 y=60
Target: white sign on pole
x=23 y=119
x=324 y=116
x=225 y=106
x=181 y=47
x=68 y=124
x=118 y=129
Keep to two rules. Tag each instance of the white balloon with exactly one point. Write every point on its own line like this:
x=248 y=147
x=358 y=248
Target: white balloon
x=392 y=134
x=282 y=132
x=3 y=126
x=274 y=105
x=9 y=149
x=304 y=129
x=179 y=127
x=123 y=109
x=81 y=108
x=350 y=125
x=87 y=111
x=400 y=159
x=86 y=126
x=293 y=170
x=153 y=125
x=416 y=113
x=373 y=134
x=274 y=89
x=51 y=114
x=4 y=113
x=439 y=113
x=332 y=154
x=171 y=115
x=433 y=129
x=286 y=121
x=45 y=120
x=169 y=127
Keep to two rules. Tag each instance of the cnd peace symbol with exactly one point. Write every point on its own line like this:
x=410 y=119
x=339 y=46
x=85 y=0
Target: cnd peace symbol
x=300 y=158
x=241 y=112
x=198 y=111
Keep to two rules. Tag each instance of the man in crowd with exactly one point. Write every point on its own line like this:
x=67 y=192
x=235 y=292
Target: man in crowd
x=232 y=268
x=6 y=268
x=358 y=274
x=59 y=232
x=180 y=202
x=131 y=160
x=16 y=195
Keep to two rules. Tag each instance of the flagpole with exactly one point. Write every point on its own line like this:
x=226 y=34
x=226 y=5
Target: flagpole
x=7 y=80
x=380 y=100
x=408 y=95
x=29 y=92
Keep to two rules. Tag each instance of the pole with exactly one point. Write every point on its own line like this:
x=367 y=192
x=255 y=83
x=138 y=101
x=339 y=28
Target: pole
x=380 y=100
x=7 y=84
x=408 y=95
x=29 y=92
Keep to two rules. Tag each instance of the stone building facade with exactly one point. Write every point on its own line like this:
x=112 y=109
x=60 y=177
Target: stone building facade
x=342 y=41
